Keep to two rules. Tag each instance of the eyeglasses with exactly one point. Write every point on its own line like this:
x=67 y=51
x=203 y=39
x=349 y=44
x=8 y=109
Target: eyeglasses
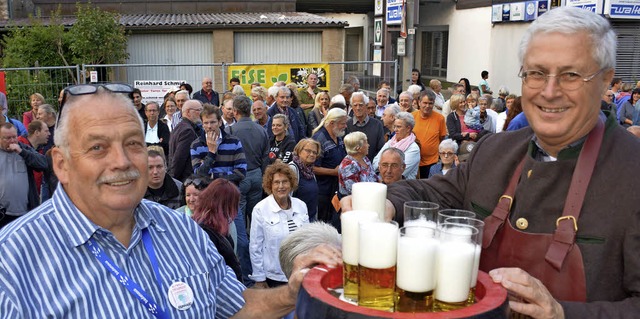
x=536 y=79
x=310 y=151
x=9 y=138
x=447 y=154
x=85 y=89
x=389 y=165
x=198 y=183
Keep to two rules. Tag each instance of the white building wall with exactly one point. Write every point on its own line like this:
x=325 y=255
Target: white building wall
x=475 y=44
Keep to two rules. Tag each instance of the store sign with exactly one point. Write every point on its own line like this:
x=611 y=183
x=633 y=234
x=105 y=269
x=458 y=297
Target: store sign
x=627 y=9
x=594 y=6
x=394 y=12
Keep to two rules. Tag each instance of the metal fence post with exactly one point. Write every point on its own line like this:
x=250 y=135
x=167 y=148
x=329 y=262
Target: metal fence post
x=395 y=78
x=224 y=77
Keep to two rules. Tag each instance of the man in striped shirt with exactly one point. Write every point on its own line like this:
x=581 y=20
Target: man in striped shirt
x=97 y=250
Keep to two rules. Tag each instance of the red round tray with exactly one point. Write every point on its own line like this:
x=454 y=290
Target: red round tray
x=315 y=301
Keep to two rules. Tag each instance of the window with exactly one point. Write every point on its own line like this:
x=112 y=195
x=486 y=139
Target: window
x=435 y=49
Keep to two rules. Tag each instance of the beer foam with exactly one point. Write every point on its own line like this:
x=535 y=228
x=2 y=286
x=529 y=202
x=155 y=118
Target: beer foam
x=416 y=262
x=378 y=245
x=455 y=261
x=350 y=229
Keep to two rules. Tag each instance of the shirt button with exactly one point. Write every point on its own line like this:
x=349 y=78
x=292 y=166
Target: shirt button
x=522 y=223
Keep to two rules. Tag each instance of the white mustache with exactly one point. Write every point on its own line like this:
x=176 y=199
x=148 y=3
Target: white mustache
x=121 y=177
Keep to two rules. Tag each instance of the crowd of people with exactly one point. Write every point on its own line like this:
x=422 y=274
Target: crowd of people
x=254 y=168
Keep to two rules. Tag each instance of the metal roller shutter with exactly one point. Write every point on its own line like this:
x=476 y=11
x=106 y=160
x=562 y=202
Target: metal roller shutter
x=628 y=50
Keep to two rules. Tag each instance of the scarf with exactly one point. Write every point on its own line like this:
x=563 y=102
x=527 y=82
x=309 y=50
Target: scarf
x=306 y=170
x=404 y=143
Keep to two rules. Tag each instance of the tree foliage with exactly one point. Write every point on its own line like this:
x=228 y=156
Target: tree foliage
x=97 y=37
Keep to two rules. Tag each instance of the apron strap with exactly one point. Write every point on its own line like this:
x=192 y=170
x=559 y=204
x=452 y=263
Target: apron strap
x=500 y=214
x=567 y=225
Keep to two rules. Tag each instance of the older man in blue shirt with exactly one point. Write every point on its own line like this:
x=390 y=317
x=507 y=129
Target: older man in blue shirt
x=97 y=250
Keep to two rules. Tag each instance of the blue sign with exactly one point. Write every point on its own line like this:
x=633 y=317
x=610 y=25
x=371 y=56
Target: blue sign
x=625 y=10
x=394 y=14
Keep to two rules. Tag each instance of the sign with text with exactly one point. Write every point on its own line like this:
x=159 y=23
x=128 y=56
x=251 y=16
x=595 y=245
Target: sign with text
x=377 y=67
x=394 y=12
x=155 y=90
x=268 y=74
x=627 y=9
x=594 y=6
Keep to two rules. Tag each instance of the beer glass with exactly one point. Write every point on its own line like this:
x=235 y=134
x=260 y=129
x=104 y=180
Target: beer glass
x=454 y=265
x=350 y=247
x=369 y=196
x=447 y=213
x=479 y=225
x=420 y=213
x=415 y=279
x=377 y=265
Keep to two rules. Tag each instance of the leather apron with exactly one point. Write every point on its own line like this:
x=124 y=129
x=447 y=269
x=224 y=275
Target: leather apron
x=562 y=270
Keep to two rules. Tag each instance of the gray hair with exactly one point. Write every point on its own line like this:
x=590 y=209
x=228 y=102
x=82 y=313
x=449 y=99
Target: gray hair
x=383 y=90
x=185 y=92
x=238 y=90
x=448 y=144
x=282 y=89
x=354 y=141
x=273 y=91
x=394 y=109
x=570 y=20
x=429 y=93
x=242 y=105
x=61 y=134
x=303 y=240
x=332 y=116
x=285 y=120
x=407 y=118
x=503 y=91
x=365 y=98
x=338 y=99
x=48 y=108
x=407 y=94
x=346 y=88
x=414 y=89
x=396 y=150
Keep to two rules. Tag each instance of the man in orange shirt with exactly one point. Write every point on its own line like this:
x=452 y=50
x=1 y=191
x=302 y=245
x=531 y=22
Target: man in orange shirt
x=430 y=130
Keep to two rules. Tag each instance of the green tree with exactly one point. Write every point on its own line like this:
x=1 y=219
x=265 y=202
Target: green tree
x=97 y=37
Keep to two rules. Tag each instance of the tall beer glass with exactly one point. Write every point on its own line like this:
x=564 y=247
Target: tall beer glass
x=479 y=225
x=415 y=279
x=377 y=265
x=455 y=258
x=350 y=249
x=448 y=213
x=420 y=213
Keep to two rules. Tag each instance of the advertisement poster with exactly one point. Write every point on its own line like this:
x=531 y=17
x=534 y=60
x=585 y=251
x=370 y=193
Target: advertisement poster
x=268 y=74
x=517 y=11
x=496 y=13
x=530 y=10
x=377 y=67
x=154 y=90
x=506 y=12
x=543 y=6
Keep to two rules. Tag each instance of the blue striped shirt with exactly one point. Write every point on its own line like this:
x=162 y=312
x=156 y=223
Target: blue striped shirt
x=46 y=271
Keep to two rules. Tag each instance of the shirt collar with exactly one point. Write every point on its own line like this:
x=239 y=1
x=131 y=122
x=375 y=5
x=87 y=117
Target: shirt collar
x=78 y=228
x=358 y=123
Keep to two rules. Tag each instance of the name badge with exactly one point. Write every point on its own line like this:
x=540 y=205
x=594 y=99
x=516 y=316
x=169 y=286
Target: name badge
x=180 y=295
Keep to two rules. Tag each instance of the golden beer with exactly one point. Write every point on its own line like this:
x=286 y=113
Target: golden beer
x=376 y=289
x=350 y=282
x=408 y=301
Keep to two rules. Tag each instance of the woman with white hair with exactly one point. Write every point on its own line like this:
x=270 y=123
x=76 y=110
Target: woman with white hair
x=405 y=140
x=448 y=150
x=355 y=167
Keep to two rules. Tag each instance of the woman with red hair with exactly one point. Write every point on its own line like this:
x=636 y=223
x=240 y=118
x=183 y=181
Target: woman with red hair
x=216 y=208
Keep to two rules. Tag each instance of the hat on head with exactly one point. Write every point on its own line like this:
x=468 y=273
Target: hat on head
x=465 y=150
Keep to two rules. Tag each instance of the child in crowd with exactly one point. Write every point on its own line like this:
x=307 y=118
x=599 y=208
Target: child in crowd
x=472 y=115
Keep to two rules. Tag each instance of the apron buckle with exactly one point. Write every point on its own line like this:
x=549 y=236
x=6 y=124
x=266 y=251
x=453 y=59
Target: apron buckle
x=575 y=223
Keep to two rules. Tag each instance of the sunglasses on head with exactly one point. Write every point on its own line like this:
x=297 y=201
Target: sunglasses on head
x=198 y=182
x=86 y=89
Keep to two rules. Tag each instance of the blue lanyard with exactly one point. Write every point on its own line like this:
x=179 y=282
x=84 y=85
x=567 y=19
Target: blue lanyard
x=123 y=279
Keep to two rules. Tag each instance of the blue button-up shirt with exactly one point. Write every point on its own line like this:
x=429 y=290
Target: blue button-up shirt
x=47 y=271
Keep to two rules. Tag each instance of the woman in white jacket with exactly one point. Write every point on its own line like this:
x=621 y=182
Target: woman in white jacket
x=273 y=219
